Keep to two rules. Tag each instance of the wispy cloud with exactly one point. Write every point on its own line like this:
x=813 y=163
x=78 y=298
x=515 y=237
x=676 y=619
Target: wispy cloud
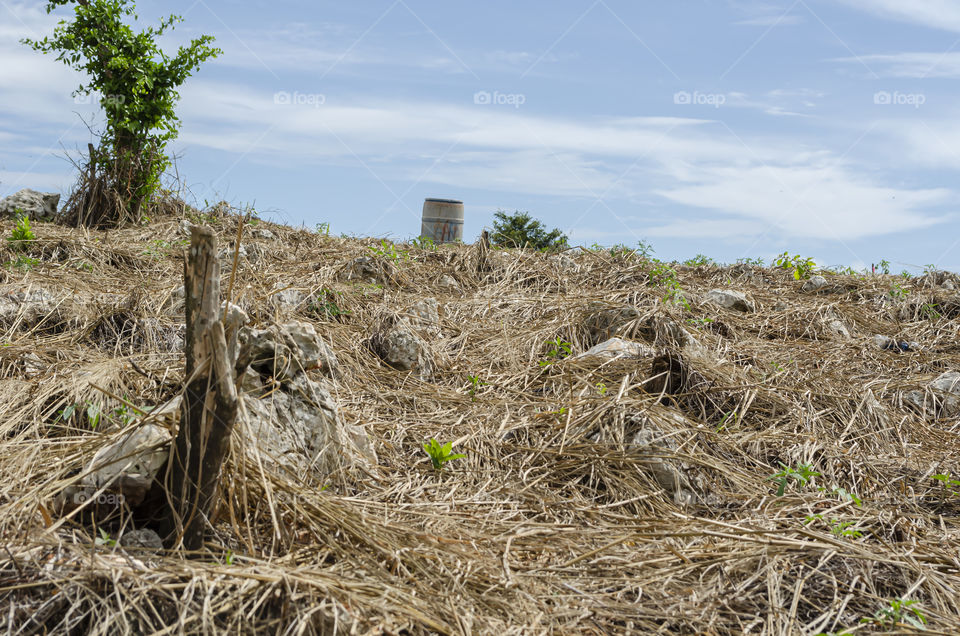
x=936 y=14
x=772 y=20
x=912 y=65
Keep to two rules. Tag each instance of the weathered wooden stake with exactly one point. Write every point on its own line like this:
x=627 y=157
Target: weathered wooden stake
x=209 y=401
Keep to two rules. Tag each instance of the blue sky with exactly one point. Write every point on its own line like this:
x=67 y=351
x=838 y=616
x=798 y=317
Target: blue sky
x=732 y=128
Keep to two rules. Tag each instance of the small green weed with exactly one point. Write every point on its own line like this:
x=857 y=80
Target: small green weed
x=560 y=350
x=897 y=292
x=802 y=267
x=929 y=311
x=750 y=261
x=325 y=306
x=229 y=557
x=323 y=229
x=843 y=495
x=475 y=384
x=104 y=539
x=440 y=454
x=949 y=484
x=22 y=263
x=21 y=233
x=601 y=389
x=700 y=260
x=802 y=474
x=424 y=243
x=898 y=612
x=386 y=249
x=883 y=266
x=837 y=528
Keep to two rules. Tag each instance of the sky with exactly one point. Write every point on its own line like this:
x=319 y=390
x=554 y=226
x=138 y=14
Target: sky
x=731 y=128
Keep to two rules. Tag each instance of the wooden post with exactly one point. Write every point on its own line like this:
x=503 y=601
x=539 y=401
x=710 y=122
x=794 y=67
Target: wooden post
x=209 y=402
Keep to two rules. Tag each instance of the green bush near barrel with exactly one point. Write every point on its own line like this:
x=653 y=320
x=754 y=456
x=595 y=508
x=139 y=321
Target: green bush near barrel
x=522 y=230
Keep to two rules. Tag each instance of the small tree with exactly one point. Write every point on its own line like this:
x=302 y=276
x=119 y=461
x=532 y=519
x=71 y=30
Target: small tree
x=137 y=84
x=521 y=230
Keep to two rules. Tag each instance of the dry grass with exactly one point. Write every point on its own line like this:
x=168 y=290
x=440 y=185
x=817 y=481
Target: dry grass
x=555 y=522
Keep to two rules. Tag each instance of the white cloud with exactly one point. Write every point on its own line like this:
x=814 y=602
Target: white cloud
x=756 y=183
x=772 y=20
x=936 y=14
x=911 y=65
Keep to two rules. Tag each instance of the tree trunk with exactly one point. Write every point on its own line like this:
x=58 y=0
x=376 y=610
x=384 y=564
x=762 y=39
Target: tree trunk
x=209 y=401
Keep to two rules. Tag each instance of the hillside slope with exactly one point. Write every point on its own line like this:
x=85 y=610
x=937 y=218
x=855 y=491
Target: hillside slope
x=598 y=495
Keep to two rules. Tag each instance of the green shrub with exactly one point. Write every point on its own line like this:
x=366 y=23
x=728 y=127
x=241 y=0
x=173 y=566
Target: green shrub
x=522 y=230
x=138 y=84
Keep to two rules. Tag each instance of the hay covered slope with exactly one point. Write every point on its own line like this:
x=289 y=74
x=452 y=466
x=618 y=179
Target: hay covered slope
x=596 y=496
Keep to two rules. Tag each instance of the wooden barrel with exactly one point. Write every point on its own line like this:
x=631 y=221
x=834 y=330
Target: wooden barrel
x=442 y=220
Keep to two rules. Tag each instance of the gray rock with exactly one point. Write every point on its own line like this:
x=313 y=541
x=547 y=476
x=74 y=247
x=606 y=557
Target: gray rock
x=448 y=282
x=729 y=299
x=261 y=233
x=364 y=268
x=131 y=461
x=815 y=283
x=948 y=284
x=288 y=299
x=300 y=427
x=184 y=227
x=401 y=348
x=285 y=351
x=33 y=305
x=947 y=389
x=38 y=206
x=837 y=328
x=654 y=449
x=424 y=316
x=142 y=539
x=616 y=348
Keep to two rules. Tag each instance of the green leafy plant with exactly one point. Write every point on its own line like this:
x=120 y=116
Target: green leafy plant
x=323 y=228
x=137 y=83
x=644 y=250
x=228 y=559
x=21 y=233
x=325 y=306
x=440 y=454
x=386 y=249
x=802 y=267
x=475 y=384
x=898 y=612
x=424 y=243
x=837 y=528
x=843 y=495
x=22 y=263
x=662 y=275
x=560 y=350
x=897 y=292
x=601 y=389
x=802 y=474
x=699 y=260
x=104 y=539
x=522 y=230
x=884 y=266
x=750 y=261
x=929 y=311
x=950 y=484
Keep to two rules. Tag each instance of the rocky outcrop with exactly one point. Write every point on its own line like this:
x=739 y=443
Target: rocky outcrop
x=38 y=206
x=729 y=299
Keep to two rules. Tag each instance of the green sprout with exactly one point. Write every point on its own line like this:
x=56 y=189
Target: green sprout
x=802 y=474
x=561 y=349
x=898 y=612
x=440 y=454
